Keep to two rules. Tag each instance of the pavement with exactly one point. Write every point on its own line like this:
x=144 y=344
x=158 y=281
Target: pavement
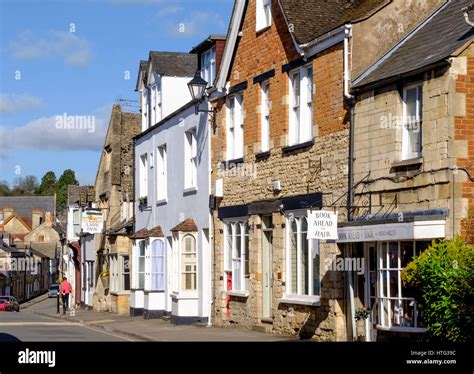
x=139 y=329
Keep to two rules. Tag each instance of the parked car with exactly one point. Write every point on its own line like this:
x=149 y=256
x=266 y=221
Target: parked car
x=11 y=304
x=3 y=305
x=53 y=290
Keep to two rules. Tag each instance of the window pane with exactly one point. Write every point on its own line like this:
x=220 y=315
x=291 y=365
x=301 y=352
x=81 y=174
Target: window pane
x=238 y=241
x=141 y=264
x=293 y=256
x=393 y=255
x=316 y=281
x=228 y=247
x=406 y=253
x=246 y=249
x=304 y=266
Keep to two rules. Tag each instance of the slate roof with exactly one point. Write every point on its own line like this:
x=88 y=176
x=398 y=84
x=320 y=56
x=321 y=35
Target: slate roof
x=173 y=64
x=433 y=42
x=155 y=232
x=188 y=225
x=314 y=18
x=24 y=205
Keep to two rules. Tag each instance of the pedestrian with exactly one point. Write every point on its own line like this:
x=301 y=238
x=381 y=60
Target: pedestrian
x=65 y=290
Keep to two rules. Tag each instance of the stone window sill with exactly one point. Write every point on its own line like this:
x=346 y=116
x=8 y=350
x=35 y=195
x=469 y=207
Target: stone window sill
x=301 y=300
x=226 y=164
x=238 y=293
x=296 y=147
x=190 y=191
x=262 y=156
x=410 y=162
x=162 y=202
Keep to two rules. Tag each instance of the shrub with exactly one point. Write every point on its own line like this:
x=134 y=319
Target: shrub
x=443 y=280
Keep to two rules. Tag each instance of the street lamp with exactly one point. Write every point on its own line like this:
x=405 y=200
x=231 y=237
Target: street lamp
x=197 y=87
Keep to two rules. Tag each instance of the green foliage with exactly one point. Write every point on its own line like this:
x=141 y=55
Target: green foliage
x=48 y=184
x=443 y=280
x=68 y=177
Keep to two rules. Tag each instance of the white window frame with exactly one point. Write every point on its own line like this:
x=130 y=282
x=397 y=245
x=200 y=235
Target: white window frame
x=263 y=14
x=265 y=116
x=190 y=159
x=231 y=260
x=145 y=106
x=301 y=83
x=117 y=273
x=136 y=266
x=384 y=297
x=161 y=173
x=235 y=126
x=208 y=66
x=298 y=217
x=409 y=122
x=76 y=222
x=150 y=259
x=143 y=175
x=183 y=262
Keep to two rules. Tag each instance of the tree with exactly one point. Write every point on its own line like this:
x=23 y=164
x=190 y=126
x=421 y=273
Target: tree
x=48 y=184
x=4 y=188
x=25 y=186
x=67 y=178
x=443 y=280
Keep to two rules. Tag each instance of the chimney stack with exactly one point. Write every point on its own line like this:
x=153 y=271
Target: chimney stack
x=36 y=216
x=7 y=212
x=48 y=217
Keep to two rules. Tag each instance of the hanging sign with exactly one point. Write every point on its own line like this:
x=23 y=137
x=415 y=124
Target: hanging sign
x=322 y=225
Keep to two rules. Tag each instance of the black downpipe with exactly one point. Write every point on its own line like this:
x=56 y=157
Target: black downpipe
x=350 y=183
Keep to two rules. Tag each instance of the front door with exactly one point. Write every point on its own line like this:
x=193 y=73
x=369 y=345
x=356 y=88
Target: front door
x=267 y=239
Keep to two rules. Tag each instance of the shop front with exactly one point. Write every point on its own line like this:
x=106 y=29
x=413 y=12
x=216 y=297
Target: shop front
x=379 y=305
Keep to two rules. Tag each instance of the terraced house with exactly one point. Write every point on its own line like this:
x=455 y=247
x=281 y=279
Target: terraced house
x=413 y=165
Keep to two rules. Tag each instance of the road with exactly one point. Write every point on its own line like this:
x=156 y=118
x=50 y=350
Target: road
x=30 y=327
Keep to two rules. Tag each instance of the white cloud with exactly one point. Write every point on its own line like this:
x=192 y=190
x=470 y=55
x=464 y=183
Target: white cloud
x=13 y=103
x=50 y=133
x=67 y=45
x=196 y=24
x=173 y=9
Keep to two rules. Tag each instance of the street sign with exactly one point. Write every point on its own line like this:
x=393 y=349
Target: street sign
x=92 y=221
x=322 y=225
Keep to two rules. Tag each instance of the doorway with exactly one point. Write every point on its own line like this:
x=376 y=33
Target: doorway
x=267 y=264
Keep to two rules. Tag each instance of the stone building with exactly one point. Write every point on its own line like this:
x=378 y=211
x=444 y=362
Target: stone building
x=413 y=166
x=114 y=199
x=280 y=148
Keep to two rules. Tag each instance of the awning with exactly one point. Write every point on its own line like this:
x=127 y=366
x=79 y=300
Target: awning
x=415 y=230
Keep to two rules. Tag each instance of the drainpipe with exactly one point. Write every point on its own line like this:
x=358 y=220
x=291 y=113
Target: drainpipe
x=350 y=102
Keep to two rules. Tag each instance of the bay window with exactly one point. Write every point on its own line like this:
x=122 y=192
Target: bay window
x=412 y=120
x=302 y=259
x=140 y=269
x=235 y=127
x=265 y=117
x=301 y=105
x=397 y=305
x=188 y=263
x=157 y=265
x=236 y=259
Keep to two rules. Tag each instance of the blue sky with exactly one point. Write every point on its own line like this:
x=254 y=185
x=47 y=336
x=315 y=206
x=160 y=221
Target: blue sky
x=74 y=57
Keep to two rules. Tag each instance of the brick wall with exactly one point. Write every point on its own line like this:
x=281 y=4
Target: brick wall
x=318 y=168
x=464 y=132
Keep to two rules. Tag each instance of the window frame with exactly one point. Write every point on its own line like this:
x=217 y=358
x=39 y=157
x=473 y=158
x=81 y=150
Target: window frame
x=143 y=175
x=243 y=273
x=183 y=263
x=136 y=268
x=235 y=126
x=263 y=15
x=208 y=66
x=301 y=105
x=265 y=116
x=406 y=155
x=311 y=249
x=190 y=159
x=149 y=284
x=162 y=173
